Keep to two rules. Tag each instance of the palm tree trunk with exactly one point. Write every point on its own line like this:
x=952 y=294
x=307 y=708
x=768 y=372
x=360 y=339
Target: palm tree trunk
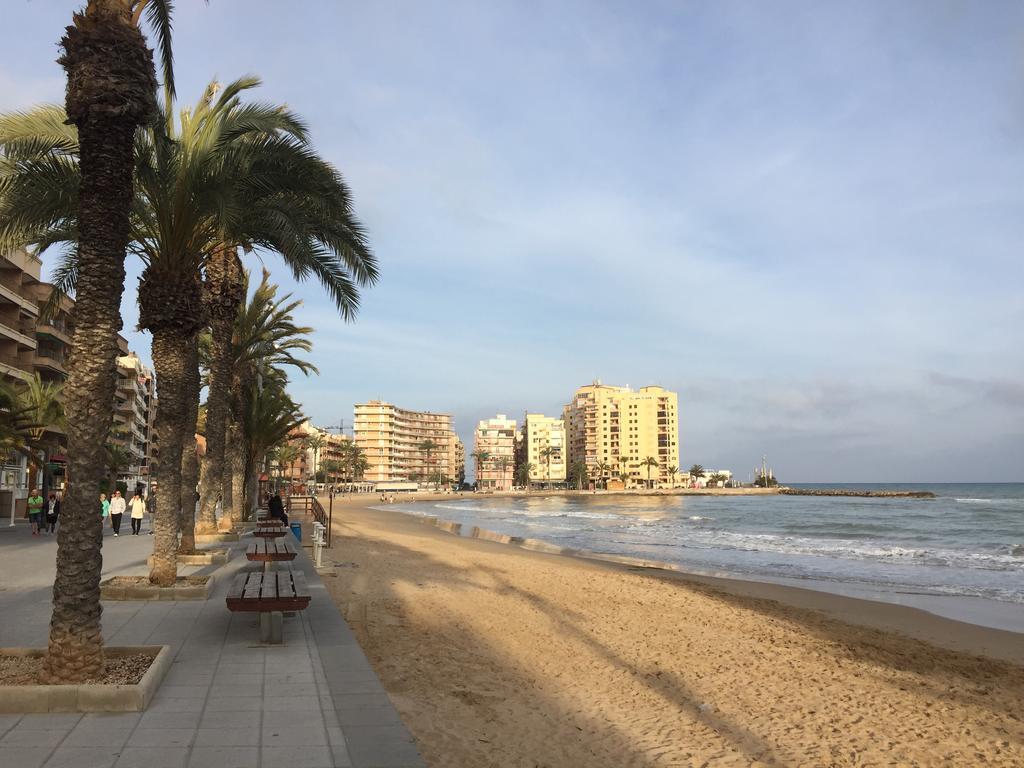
x=234 y=477
x=110 y=92
x=223 y=292
x=190 y=454
x=170 y=361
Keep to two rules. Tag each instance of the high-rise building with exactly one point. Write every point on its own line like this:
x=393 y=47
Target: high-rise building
x=133 y=398
x=497 y=439
x=622 y=429
x=457 y=460
x=543 y=448
x=392 y=440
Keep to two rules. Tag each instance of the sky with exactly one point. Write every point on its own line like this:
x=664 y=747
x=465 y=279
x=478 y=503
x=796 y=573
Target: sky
x=805 y=218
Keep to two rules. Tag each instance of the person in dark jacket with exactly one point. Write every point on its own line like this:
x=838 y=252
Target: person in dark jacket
x=52 y=513
x=276 y=508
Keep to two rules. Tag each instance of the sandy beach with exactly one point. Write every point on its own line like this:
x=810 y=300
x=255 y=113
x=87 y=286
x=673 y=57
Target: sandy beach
x=499 y=656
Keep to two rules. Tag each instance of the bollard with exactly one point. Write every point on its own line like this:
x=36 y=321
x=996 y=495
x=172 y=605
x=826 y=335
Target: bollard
x=318 y=544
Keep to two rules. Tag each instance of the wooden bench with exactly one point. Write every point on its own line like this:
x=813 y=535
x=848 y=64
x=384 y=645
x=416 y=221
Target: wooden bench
x=269 y=551
x=269 y=594
x=270 y=531
x=269 y=521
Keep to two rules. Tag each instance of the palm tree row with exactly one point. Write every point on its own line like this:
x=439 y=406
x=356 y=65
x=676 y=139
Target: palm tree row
x=116 y=171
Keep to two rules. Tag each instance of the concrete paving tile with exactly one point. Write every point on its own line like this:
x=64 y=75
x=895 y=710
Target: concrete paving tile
x=112 y=720
x=160 y=704
x=84 y=757
x=335 y=736
x=230 y=737
x=296 y=757
x=152 y=757
x=234 y=705
x=183 y=691
x=7 y=722
x=186 y=719
x=289 y=689
x=93 y=734
x=161 y=737
x=224 y=757
x=288 y=678
x=19 y=738
x=341 y=757
x=384 y=746
x=40 y=722
x=233 y=690
x=361 y=700
x=291 y=703
x=276 y=735
x=295 y=717
x=23 y=757
x=368 y=716
x=229 y=719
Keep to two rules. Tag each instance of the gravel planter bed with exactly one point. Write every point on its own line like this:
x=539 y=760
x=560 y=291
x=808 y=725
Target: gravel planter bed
x=139 y=588
x=131 y=677
x=215 y=538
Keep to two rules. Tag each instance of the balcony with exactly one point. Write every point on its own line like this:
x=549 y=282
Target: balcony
x=18 y=332
x=13 y=296
x=11 y=365
x=51 y=361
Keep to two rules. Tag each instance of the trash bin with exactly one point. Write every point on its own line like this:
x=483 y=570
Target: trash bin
x=297 y=530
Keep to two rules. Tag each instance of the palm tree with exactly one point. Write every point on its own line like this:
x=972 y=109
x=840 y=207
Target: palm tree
x=190 y=453
x=502 y=465
x=649 y=462
x=624 y=469
x=40 y=404
x=315 y=443
x=271 y=416
x=696 y=472
x=428 y=447
x=672 y=472
x=117 y=458
x=717 y=478
x=111 y=84
x=523 y=474
x=287 y=455
x=546 y=453
x=232 y=173
x=265 y=342
x=480 y=456
x=602 y=468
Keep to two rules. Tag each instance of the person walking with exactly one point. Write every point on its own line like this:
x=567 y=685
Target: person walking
x=35 y=510
x=104 y=506
x=52 y=513
x=117 y=508
x=138 y=511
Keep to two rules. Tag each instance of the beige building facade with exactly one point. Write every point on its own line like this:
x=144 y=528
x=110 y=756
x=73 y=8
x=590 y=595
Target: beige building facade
x=497 y=438
x=620 y=429
x=134 y=396
x=392 y=440
x=544 y=448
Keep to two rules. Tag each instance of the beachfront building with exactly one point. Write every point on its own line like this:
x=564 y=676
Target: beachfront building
x=497 y=439
x=394 y=441
x=457 y=460
x=543 y=449
x=619 y=428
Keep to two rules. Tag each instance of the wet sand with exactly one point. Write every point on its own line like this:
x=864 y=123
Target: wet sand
x=500 y=656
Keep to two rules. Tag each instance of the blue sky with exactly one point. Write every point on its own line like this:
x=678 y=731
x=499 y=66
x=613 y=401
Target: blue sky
x=806 y=218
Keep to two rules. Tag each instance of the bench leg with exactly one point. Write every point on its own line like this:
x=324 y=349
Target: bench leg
x=271 y=627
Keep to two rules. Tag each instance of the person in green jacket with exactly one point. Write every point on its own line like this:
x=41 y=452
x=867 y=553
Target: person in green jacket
x=104 y=506
x=35 y=510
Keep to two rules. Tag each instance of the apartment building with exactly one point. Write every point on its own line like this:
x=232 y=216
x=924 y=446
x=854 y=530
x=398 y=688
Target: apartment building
x=497 y=438
x=53 y=337
x=391 y=439
x=457 y=460
x=621 y=428
x=543 y=448
x=133 y=398
x=19 y=311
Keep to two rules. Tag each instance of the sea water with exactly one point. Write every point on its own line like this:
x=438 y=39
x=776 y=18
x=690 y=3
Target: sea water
x=960 y=554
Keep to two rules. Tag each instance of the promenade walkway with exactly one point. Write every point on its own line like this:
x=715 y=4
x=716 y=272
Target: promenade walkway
x=313 y=702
